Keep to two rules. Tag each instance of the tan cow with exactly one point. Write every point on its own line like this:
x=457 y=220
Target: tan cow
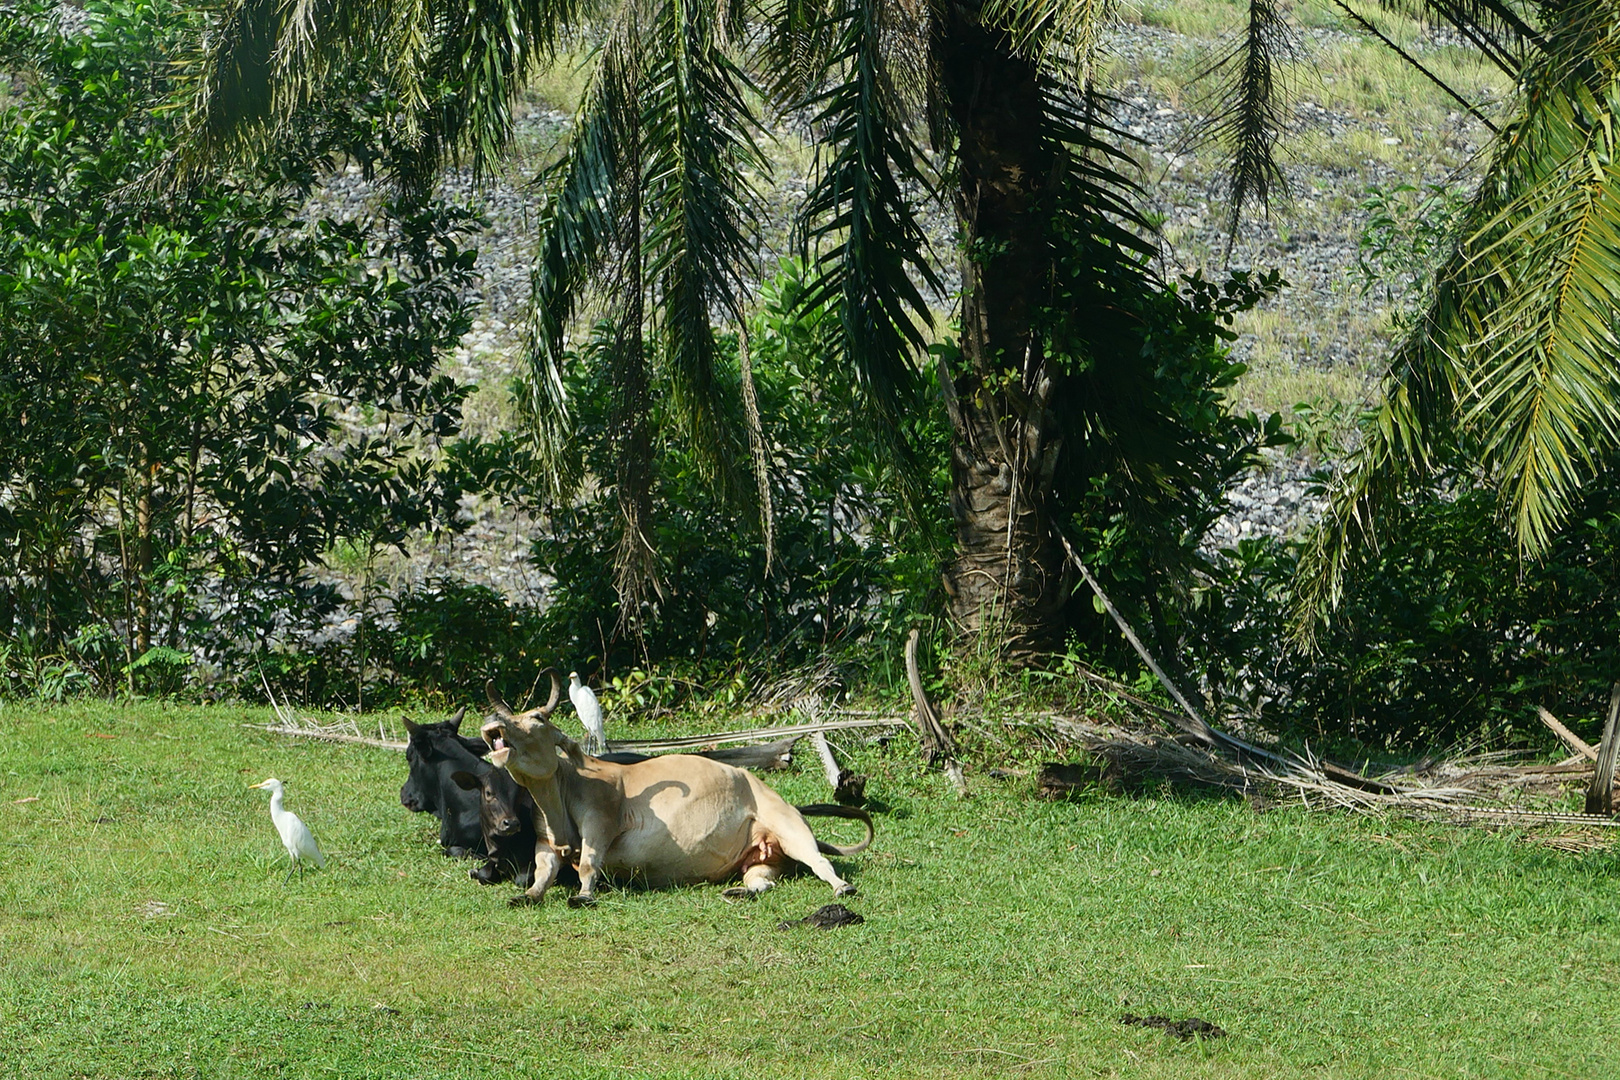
x=668 y=820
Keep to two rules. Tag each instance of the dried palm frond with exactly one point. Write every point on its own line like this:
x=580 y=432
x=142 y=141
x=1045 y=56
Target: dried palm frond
x=1483 y=788
x=288 y=722
x=1572 y=841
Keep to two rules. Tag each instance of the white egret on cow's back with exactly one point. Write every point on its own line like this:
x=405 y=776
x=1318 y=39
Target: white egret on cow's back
x=295 y=835
x=590 y=714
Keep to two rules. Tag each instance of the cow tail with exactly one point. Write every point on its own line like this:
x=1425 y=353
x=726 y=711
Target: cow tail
x=854 y=813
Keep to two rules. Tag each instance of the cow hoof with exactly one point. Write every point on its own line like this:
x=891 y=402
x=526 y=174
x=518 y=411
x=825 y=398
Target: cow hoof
x=845 y=889
x=579 y=901
x=739 y=892
x=523 y=899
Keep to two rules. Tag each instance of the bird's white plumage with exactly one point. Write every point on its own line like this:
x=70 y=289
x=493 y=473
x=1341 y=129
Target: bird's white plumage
x=295 y=835
x=590 y=714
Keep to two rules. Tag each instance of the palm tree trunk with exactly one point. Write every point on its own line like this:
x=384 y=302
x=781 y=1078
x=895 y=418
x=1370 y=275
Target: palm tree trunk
x=1008 y=577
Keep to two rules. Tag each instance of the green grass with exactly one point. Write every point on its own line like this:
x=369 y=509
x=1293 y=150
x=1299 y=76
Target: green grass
x=146 y=932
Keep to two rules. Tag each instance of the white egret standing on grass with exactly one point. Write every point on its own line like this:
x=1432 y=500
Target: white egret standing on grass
x=295 y=835
x=590 y=714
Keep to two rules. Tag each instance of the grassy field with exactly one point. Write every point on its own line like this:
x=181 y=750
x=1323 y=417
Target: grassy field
x=146 y=931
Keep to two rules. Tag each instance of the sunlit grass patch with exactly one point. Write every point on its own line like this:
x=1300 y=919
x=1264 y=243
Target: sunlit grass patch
x=147 y=932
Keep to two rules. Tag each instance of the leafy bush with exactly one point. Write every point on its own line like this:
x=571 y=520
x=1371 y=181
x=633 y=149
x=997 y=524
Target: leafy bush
x=851 y=558
x=447 y=638
x=200 y=394
x=1408 y=232
x=1444 y=633
x=1151 y=452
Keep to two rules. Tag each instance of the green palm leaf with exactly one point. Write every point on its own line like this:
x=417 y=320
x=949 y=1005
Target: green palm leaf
x=870 y=250
x=581 y=233
x=702 y=217
x=1514 y=360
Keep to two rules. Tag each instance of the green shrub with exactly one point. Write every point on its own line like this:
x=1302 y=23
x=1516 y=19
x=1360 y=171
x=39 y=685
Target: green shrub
x=852 y=561
x=1444 y=633
x=178 y=376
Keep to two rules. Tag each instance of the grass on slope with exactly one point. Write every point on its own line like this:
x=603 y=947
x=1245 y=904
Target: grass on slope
x=146 y=932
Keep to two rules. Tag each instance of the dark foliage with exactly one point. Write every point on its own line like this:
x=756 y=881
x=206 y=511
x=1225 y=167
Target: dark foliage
x=203 y=395
x=1150 y=445
x=848 y=561
x=1445 y=633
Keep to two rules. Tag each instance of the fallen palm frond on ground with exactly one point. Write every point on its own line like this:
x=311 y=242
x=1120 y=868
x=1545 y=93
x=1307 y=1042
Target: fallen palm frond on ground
x=1495 y=788
x=1483 y=788
x=719 y=738
x=288 y=722
x=1478 y=788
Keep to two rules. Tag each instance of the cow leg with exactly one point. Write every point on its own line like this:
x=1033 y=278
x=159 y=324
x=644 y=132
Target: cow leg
x=799 y=845
x=589 y=864
x=756 y=879
x=546 y=865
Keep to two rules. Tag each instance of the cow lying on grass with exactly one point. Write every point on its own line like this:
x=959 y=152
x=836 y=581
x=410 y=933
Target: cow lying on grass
x=506 y=818
x=433 y=754
x=665 y=821
x=482 y=811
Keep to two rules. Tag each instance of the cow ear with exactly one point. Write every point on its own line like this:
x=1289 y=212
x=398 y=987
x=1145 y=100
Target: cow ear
x=466 y=781
x=570 y=749
x=455 y=721
x=410 y=728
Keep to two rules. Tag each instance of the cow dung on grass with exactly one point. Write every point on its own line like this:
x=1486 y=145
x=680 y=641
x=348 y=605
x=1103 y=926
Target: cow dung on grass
x=825 y=917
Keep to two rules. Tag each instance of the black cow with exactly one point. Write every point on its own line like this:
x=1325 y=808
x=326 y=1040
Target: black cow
x=433 y=753
x=506 y=817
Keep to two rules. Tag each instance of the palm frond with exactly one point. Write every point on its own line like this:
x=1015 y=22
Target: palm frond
x=1513 y=357
x=635 y=560
x=1416 y=64
x=1092 y=153
x=1497 y=28
x=1397 y=452
x=1249 y=109
x=1580 y=43
x=867 y=239
x=700 y=137
x=1541 y=383
x=454 y=70
x=1062 y=33
x=233 y=75
x=580 y=232
x=798 y=36
x=757 y=447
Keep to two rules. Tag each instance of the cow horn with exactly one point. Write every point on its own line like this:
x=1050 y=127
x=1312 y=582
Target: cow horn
x=556 y=692
x=410 y=728
x=502 y=709
x=455 y=721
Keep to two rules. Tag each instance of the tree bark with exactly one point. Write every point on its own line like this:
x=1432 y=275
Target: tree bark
x=1009 y=577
